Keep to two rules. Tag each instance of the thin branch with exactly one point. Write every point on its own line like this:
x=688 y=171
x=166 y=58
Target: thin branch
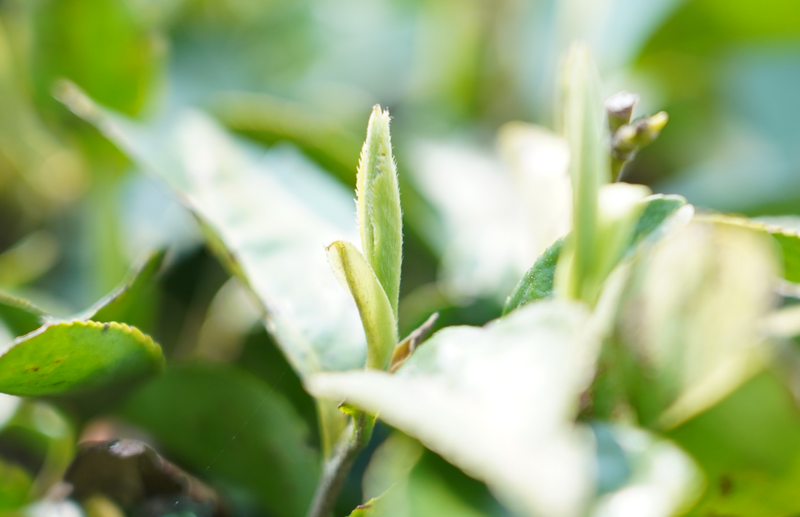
x=337 y=467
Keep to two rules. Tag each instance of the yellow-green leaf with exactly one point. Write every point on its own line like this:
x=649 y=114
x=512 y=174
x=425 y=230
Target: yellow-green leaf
x=380 y=326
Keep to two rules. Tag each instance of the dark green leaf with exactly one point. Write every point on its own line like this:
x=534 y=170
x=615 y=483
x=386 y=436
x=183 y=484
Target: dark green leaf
x=76 y=355
x=15 y=485
x=537 y=284
x=235 y=430
x=20 y=316
x=134 y=301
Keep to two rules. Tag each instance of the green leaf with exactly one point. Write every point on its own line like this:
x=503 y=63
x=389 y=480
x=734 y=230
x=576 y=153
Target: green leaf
x=749 y=447
x=20 y=316
x=498 y=402
x=380 y=218
x=380 y=326
x=234 y=429
x=691 y=323
x=76 y=355
x=134 y=301
x=658 y=209
x=589 y=166
x=15 y=485
x=537 y=284
x=265 y=215
x=786 y=232
x=634 y=466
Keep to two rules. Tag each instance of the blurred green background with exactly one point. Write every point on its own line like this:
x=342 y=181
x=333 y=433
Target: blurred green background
x=75 y=213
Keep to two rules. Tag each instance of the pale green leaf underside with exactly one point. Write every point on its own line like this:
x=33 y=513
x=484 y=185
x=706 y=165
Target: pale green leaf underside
x=693 y=319
x=76 y=355
x=497 y=401
x=376 y=313
x=269 y=214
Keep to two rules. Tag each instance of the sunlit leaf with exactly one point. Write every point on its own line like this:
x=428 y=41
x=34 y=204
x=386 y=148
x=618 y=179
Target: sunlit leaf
x=643 y=475
x=496 y=401
x=233 y=428
x=267 y=215
x=380 y=326
x=76 y=355
x=692 y=319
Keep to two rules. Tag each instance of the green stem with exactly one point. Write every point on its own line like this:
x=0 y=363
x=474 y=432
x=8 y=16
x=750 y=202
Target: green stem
x=616 y=168
x=337 y=467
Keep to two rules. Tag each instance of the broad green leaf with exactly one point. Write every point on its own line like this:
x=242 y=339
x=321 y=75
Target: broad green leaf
x=640 y=474
x=235 y=430
x=537 y=284
x=379 y=215
x=786 y=232
x=76 y=355
x=266 y=215
x=498 y=402
x=749 y=448
x=377 y=317
x=589 y=166
x=20 y=316
x=692 y=319
x=134 y=301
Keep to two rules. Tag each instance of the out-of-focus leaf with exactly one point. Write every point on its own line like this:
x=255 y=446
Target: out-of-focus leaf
x=749 y=447
x=28 y=259
x=377 y=317
x=235 y=430
x=589 y=167
x=134 y=475
x=658 y=209
x=497 y=401
x=537 y=284
x=267 y=215
x=20 y=316
x=15 y=485
x=133 y=301
x=643 y=475
x=618 y=208
x=785 y=231
x=692 y=319
x=76 y=355
x=398 y=484
x=99 y=45
x=491 y=228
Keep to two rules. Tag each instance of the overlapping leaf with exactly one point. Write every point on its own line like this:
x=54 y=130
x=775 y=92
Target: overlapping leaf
x=496 y=401
x=266 y=215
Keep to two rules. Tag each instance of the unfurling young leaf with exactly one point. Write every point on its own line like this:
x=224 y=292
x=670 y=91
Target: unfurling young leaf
x=376 y=313
x=379 y=214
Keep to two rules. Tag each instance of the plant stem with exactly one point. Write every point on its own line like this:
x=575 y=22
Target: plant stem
x=337 y=467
